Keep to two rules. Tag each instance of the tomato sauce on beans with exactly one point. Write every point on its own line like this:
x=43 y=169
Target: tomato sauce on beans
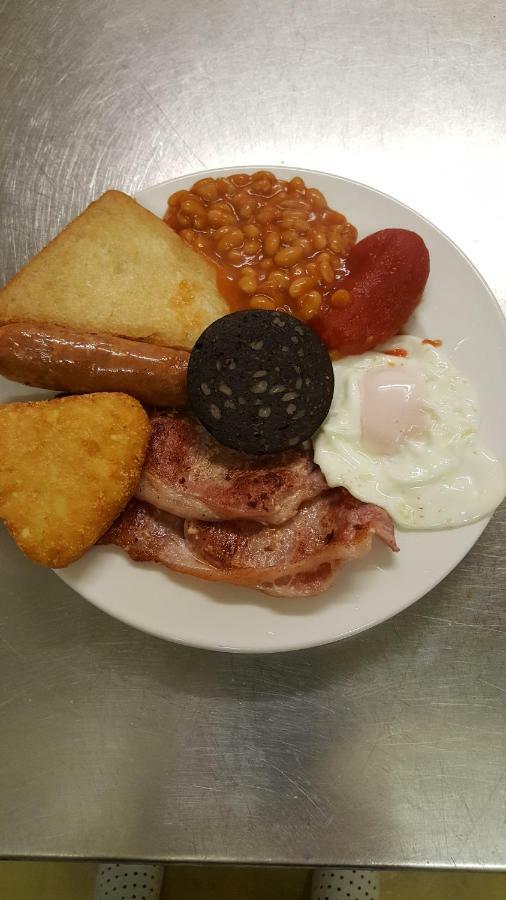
x=276 y=244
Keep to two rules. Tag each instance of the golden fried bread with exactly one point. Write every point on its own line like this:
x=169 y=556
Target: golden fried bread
x=117 y=269
x=67 y=468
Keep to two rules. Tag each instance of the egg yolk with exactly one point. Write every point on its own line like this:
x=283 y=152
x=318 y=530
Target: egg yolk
x=392 y=407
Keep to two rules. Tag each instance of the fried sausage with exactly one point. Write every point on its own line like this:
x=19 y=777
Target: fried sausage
x=48 y=356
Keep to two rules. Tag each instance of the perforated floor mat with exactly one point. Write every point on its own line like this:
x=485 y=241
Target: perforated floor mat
x=345 y=884
x=131 y=882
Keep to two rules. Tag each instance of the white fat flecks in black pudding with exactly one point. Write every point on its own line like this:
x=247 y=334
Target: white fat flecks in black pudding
x=260 y=381
x=259 y=387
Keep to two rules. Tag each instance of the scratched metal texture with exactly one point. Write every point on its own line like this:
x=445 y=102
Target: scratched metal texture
x=387 y=749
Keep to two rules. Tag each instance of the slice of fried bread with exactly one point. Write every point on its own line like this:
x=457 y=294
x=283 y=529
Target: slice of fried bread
x=117 y=269
x=67 y=468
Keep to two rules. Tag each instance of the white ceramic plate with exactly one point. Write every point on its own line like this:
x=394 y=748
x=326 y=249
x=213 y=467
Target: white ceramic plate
x=459 y=309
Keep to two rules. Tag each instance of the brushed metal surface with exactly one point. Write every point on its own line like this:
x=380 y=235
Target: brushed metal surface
x=387 y=749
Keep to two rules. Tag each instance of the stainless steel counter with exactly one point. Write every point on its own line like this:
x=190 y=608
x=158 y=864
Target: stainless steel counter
x=387 y=749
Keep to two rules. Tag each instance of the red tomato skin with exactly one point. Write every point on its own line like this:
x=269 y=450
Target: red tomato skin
x=387 y=272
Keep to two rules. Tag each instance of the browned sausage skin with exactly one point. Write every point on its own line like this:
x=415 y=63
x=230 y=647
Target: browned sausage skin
x=47 y=356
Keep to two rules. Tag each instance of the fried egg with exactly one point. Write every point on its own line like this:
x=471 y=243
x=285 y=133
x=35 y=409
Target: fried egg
x=403 y=432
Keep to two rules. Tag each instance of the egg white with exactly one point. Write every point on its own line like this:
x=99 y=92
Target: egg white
x=439 y=476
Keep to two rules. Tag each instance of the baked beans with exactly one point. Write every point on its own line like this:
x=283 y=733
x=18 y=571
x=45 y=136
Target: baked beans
x=276 y=244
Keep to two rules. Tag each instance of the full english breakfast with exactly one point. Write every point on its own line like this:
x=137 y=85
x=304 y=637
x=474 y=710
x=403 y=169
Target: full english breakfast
x=240 y=402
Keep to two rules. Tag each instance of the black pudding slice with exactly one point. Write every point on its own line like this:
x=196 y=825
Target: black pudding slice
x=260 y=381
